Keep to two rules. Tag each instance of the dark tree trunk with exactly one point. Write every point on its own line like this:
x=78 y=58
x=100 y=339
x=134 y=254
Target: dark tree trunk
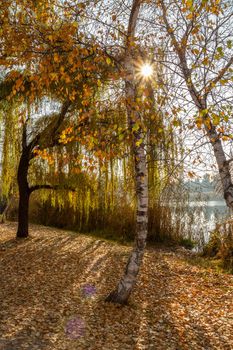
x=24 y=194
x=26 y=156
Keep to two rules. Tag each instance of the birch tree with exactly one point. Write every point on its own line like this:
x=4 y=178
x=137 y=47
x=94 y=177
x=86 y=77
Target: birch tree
x=135 y=120
x=202 y=41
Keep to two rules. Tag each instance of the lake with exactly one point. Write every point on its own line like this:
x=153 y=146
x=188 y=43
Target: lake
x=201 y=219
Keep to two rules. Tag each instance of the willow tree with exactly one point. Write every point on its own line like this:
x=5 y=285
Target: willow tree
x=54 y=60
x=9 y=155
x=39 y=134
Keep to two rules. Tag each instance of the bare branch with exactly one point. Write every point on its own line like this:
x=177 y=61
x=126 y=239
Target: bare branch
x=220 y=75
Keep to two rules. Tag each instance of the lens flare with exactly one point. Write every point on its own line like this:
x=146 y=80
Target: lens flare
x=75 y=328
x=89 y=290
x=146 y=70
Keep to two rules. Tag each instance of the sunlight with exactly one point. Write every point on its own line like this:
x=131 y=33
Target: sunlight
x=146 y=70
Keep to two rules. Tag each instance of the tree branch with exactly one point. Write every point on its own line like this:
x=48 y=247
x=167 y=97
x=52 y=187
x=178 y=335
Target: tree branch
x=181 y=52
x=228 y=161
x=51 y=187
x=50 y=132
x=214 y=81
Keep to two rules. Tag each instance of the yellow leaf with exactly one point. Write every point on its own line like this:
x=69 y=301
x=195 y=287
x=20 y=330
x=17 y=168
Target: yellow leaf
x=189 y=16
x=56 y=57
x=191 y=174
x=226 y=138
x=199 y=123
x=205 y=61
x=108 y=61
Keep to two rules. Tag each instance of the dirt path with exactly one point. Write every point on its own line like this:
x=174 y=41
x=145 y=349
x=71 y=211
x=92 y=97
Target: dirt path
x=52 y=287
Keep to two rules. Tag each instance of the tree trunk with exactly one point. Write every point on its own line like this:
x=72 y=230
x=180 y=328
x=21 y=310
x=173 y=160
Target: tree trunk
x=223 y=164
x=215 y=141
x=24 y=195
x=125 y=286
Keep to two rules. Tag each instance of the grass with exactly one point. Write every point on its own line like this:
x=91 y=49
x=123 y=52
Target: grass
x=207 y=263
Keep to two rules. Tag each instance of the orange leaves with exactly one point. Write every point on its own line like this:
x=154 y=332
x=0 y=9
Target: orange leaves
x=221 y=130
x=191 y=174
x=14 y=74
x=195 y=51
x=199 y=122
x=53 y=76
x=190 y=16
x=56 y=58
x=67 y=135
x=183 y=306
x=45 y=41
x=205 y=61
x=193 y=10
x=44 y=155
x=81 y=5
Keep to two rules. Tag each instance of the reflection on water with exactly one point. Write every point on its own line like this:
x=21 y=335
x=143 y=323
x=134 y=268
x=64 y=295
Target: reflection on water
x=201 y=218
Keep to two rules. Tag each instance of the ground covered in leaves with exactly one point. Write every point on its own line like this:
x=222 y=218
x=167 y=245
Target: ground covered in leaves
x=53 y=284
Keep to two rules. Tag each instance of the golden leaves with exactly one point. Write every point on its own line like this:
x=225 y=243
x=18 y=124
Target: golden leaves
x=44 y=154
x=181 y=304
x=56 y=58
x=199 y=122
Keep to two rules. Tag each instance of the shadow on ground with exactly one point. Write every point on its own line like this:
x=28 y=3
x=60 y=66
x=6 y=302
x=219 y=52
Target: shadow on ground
x=55 y=277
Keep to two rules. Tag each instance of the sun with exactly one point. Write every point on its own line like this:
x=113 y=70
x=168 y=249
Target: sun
x=146 y=70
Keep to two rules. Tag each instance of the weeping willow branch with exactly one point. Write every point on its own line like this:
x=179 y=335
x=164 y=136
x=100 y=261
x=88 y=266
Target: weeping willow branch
x=7 y=86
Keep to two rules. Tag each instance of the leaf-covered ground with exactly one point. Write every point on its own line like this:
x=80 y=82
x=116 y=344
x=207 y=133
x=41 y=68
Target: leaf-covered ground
x=52 y=287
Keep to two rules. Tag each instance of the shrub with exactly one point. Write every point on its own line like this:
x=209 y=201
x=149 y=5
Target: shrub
x=220 y=245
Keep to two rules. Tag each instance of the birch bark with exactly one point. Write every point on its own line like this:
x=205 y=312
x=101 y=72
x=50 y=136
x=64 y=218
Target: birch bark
x=127 y=282
x=200 y=101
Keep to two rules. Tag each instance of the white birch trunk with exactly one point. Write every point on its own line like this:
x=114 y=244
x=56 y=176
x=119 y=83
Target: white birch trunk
x=125 y=286
x=201 y=104
x=223 y=166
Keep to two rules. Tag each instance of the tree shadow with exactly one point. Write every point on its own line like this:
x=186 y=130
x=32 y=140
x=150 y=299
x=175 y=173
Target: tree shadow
x=43 y=285
x=43 y=280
